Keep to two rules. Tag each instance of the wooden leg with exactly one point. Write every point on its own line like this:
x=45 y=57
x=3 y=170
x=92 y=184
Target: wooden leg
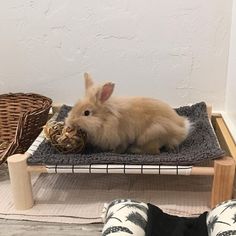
x=222 y=188
x=20 y=181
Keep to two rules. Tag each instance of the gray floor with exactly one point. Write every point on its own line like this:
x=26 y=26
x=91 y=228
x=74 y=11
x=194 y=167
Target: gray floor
x=32 y=228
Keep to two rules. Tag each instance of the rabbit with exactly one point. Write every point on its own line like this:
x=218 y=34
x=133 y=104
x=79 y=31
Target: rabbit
x=137 y=125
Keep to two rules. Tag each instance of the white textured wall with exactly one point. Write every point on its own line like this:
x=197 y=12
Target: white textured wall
x=230 y=114
x=173 y=50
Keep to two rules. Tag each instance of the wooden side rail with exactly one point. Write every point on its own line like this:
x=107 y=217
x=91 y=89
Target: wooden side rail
x=225 y=138
x=195 y=170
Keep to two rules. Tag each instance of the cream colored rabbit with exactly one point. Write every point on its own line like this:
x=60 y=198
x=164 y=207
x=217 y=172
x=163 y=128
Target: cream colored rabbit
x=126 y=124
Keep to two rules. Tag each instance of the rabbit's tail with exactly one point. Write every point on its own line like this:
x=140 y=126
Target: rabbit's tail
x=189 y=126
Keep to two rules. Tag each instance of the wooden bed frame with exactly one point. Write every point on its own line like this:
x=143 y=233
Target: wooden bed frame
x=222 y=170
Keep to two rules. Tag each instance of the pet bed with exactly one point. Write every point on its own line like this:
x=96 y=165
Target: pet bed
x=201 y=145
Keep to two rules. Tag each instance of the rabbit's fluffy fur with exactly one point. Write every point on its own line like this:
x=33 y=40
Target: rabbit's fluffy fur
x=126 y=124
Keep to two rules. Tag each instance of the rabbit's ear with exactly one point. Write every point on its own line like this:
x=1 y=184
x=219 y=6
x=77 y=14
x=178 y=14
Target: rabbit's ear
x=88 y=81
x=105 y=92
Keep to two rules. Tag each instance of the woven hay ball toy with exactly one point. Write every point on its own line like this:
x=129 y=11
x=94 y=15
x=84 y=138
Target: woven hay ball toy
x=65 y=139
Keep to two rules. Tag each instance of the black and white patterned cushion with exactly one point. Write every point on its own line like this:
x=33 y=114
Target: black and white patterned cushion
x=125 y=217
x=221 y=221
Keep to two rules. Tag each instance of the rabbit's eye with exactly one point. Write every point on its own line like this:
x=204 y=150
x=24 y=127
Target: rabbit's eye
x=87 y=113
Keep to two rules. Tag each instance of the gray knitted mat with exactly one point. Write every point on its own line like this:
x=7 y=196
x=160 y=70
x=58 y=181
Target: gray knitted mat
x=200 y=145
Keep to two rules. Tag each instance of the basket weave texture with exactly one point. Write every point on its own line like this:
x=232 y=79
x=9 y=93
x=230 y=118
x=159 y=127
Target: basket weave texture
x=22 y=116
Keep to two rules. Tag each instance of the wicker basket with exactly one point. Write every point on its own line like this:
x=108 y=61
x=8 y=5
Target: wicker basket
x=22 y=116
